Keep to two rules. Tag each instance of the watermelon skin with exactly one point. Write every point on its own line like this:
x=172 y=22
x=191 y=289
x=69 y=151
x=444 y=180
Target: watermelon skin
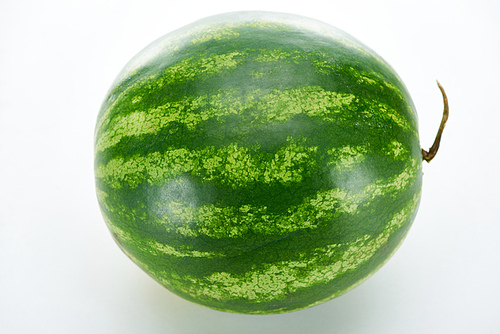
x=258 y=162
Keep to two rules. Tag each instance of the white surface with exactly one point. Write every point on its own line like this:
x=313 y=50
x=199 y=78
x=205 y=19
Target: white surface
x=60 y=271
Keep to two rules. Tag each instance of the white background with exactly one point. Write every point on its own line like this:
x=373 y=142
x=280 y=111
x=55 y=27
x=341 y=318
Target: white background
x=60 y=271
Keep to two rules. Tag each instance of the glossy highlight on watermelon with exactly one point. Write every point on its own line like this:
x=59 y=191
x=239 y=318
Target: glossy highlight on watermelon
x=258 y=162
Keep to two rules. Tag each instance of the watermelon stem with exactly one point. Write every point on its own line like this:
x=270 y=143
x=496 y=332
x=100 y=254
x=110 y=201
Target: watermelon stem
x=429 y=155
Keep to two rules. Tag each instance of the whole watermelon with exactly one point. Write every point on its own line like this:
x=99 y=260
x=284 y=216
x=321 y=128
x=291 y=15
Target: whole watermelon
x=258 y=162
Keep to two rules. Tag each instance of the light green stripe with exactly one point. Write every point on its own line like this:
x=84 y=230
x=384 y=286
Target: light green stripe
x=279 y=106
x=231 y=222
x=151 y=122
x=385 y=112
x=232 y=165
x=280 y=55
x=151 y=246
x=347 y=157
x=397 y=150
x=225 y=31
x=363 y=77
x=218 y=33
x=102 y=197
x=182 y=214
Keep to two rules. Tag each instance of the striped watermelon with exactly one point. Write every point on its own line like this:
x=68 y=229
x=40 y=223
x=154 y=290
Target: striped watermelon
x=258 y=162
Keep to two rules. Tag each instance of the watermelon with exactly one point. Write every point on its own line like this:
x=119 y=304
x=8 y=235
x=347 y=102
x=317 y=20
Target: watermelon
x=257 y=162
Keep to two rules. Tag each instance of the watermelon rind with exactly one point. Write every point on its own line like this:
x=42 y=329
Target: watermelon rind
x=258 y=162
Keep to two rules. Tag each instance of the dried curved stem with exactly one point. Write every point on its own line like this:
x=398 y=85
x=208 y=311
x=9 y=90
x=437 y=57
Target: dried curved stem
x=429 y=155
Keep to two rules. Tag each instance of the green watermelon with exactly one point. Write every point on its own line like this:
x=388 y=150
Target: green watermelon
x=258 y=162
